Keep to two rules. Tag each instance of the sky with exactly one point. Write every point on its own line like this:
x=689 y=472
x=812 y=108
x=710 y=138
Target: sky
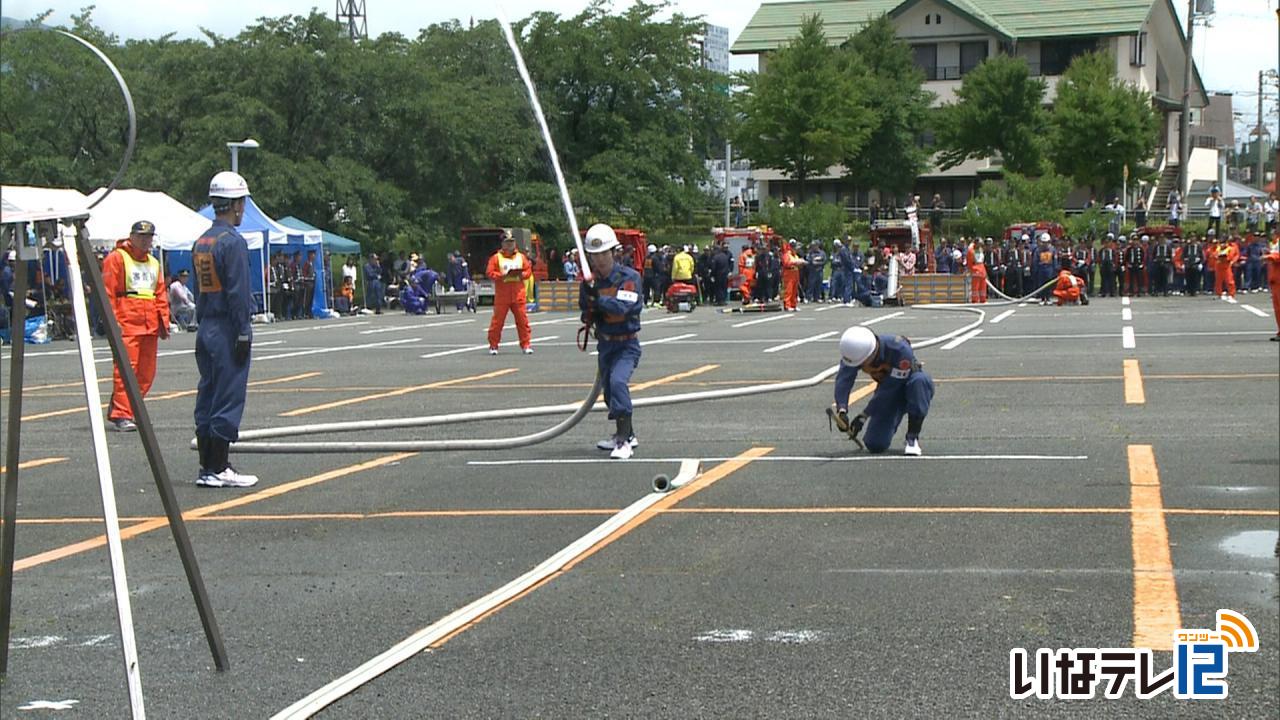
x=1240 y=40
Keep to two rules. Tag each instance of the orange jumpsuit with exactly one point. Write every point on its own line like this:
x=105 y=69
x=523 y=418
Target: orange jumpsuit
x=509 y=294
x=1224 y=258
x=747 y=269
x=140 y=302
x=978 y=272
x=790 y=278
x=1272 y=259
x=1068 y=287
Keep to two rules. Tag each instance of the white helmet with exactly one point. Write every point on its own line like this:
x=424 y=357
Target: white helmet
x=653 y=248
x=600 y=237
x=856 y=345
x=1044 y=237
x=1025 y=237
x=227 y=184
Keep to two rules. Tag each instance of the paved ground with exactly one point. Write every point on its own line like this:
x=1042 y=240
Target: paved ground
x=794 y=578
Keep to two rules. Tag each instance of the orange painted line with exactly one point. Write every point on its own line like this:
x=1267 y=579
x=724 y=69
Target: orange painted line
x=699 y=483
x=491 y=513
x=860 y=393
x=673 y=378
x=38 y=462
x=1133 y=392
x=396 y=393
x=204 y=511
x=163 y=396
x=1156 y=614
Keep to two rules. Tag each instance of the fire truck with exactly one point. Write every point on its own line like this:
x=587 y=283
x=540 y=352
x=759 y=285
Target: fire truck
x=480 y=243
x=1033 y=231
x=633 y=241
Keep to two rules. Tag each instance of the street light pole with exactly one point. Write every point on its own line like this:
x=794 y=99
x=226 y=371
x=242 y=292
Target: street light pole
x=234 y=147
x=1184 y=121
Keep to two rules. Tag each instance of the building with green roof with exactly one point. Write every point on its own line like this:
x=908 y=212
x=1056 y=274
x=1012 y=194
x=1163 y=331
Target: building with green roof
x=951 y=37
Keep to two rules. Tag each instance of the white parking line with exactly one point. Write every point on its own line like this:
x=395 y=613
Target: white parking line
x=340 y=348
x=660 y=341
x=1254 y=310
x=1126 y=315
x=832 y=306
x=398 y=328
x=552 y=322
x=1003 y=315
x=1124 y=300
x=962 y=339
x=779 y=458
x=795 y=343
x=882 y=318
x=473 y=348
x=647 y=323
x=1127 y=339
x=309 y=328
x=780 y=316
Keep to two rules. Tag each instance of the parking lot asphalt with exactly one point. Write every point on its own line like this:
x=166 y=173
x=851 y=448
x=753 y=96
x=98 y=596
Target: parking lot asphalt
x=1075 y=492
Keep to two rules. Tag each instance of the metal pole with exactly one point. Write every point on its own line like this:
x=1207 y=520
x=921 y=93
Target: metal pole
x=1184 y=130
x=151 y=445
x=17 y=324
x=728 y=161
x=235 y=159
x=1259 y=179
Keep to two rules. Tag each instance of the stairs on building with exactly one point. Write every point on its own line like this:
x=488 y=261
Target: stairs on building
x=1168 y=181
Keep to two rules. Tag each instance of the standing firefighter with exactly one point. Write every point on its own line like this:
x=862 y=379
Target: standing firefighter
x=902 y=388
x=508 y=269
x=224 y=310
x=140 y=301
x=611 y=303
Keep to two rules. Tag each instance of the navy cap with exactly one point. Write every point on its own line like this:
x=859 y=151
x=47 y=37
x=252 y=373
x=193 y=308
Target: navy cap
x=143 y=227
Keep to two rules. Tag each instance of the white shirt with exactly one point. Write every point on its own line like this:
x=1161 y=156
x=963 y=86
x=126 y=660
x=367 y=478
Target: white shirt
x=1271 y=208
x=1215 y=206
x=180 y=295
x=349 y=271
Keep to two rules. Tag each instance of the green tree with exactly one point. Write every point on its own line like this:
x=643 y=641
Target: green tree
x=999 y=109
x=812 y=220
x=1100 y=125
x=890 y=87
x=1014 y=199
x=802 y=114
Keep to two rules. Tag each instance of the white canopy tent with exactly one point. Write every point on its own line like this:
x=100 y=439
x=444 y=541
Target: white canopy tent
x=177 y=226
x=26 y=198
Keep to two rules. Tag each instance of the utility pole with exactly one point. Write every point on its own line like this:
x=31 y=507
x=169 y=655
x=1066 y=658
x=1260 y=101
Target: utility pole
x=1184 y=121
x=728 y=161
x=1259 y=179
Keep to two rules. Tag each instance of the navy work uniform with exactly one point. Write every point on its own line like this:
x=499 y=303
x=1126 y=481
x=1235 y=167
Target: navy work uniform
x=224 y=307
x=903 y=388
x=615 y=302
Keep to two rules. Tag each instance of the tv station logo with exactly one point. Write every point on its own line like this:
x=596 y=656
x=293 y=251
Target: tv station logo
x=1199 y=672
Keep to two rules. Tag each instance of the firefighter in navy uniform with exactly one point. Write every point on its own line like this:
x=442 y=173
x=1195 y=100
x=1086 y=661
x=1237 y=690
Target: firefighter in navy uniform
x=611 y=303
x=1107 y=266
x=903 y=388
x=1084 y=263
x=224 y=310
x=1193 y=265
x=1135 y=266
x=1161 y=266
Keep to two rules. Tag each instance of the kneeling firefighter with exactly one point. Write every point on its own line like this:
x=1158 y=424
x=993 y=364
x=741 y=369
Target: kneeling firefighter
x=611 y=303
x=902 y=388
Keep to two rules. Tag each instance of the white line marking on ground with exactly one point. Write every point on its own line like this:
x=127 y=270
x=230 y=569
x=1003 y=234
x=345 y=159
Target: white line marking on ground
x=1086 y=336
x=1003 y=315
x=552 y=322
x=49 y=705
x=725 y=636
x=462 y=617
x=780 y=316
x=309 y=328
x=170 y=353
x=1127 y=339
x=962 y=339
x=647 y=323
x=1126 y=314
x=796 y=343
x=1254 y=310
x=782 y=458
x=1124 y=300
x=398 y=328
x=340 y=348
x=473 y=348
x=882 y=318
x=659 y=341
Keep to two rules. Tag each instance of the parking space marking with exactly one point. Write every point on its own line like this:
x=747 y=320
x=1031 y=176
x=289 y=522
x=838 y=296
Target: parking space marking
x=1003 y=315
x=440 y=632
x=780 y=316
x=1127 y=339
x=797 y=343
x=673 y=378
x=962 y=339
x=204 y=511
x=168 y=396
x=882 y=318
x=1126 y=314
x=473 y=348
x=1124 y=300
x=396 y=393
x=1133 y=391
x=1254 y=310
x=1156 y=614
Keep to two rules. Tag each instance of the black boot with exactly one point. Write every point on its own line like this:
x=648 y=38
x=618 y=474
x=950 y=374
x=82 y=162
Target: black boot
x=914 y=425
x=202 y=445
x=625 y=431
x=218 y=450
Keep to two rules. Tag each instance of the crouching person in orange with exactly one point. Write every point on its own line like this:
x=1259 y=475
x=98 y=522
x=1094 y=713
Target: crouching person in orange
x=1225 y=255
x=977 y=262
x=508 y=269
x=134 y=286
x=1272 y=259
x=1070 y=288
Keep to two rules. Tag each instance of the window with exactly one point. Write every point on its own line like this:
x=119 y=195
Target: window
x=1138 y=49
x=1056 y=55
x=971 y=55
x=926 y=57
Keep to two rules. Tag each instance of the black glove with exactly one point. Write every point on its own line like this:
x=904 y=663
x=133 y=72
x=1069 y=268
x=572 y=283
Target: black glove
x=241 y=353
x=855 y=428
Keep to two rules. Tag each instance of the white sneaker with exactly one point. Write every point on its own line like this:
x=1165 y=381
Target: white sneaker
x=493 y=351
x=913 y=448
x=227 y=478
x=528 y=351
x=611 y=441
x=621 y=451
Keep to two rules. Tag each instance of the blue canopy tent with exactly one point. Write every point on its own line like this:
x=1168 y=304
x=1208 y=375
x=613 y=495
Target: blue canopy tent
x=333 y=242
